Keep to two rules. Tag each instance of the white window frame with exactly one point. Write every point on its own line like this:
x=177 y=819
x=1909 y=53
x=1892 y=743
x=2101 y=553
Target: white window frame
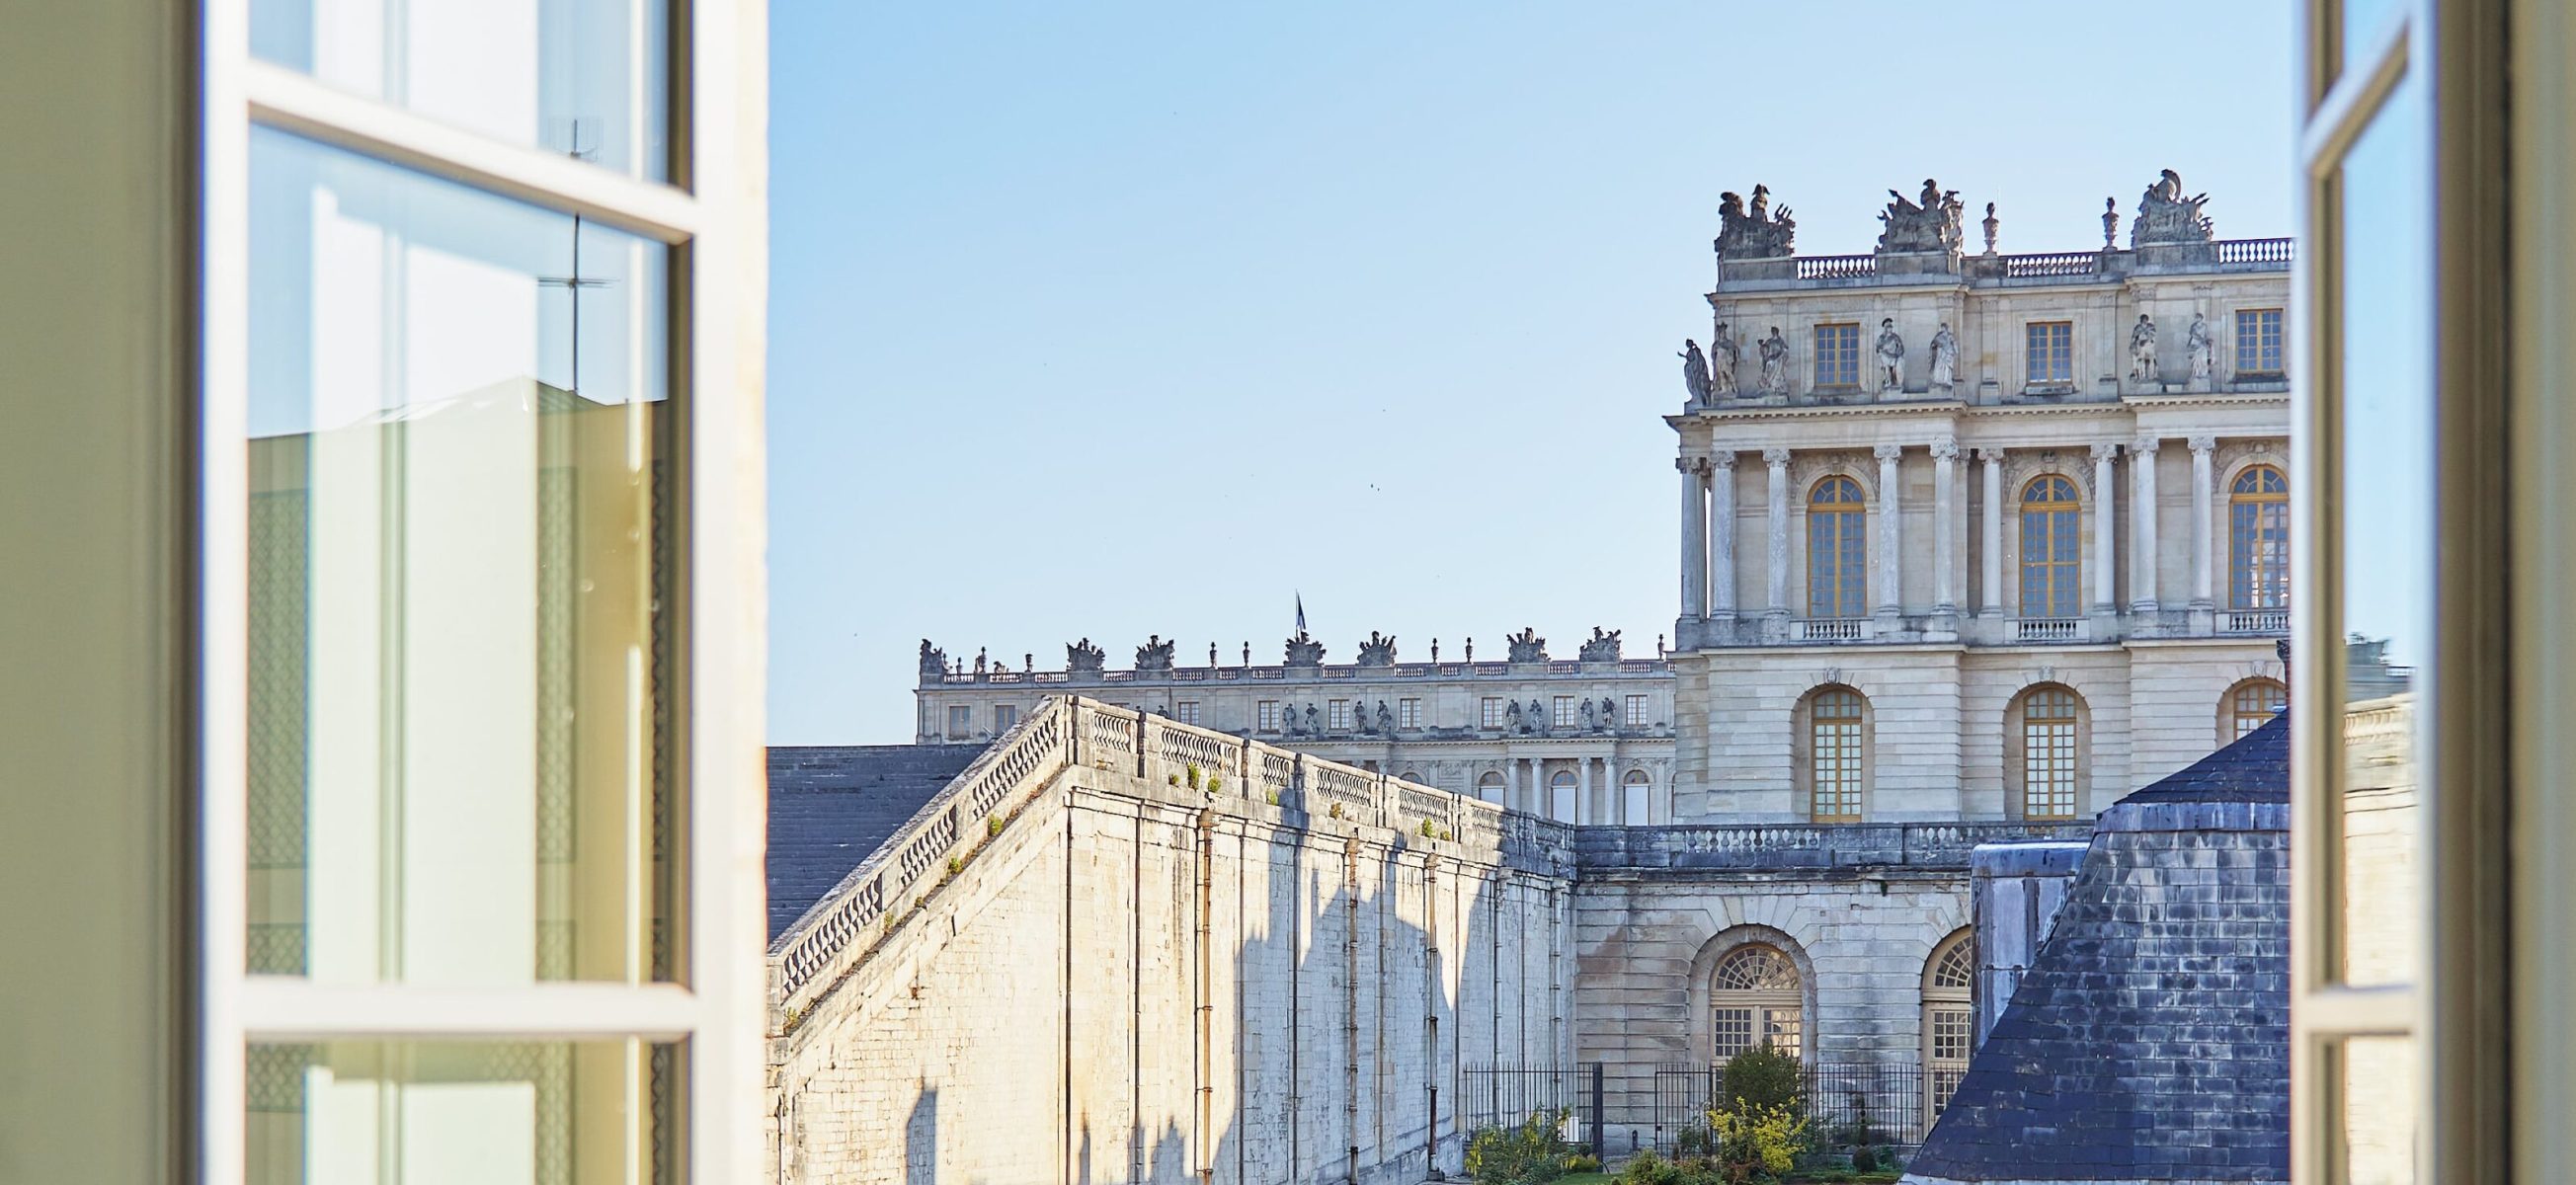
x=1633 y=711
x=1337 y=715
x=1266 y=716
x=1187 y=711
x=1491 y=713
x=717 y=313
x=1005 y=717
x=1561 y=712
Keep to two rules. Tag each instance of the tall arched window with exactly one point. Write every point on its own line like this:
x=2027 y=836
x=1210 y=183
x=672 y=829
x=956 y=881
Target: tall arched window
x=2258 y=540
x=1755 y=999
x=1949 y=981
x=1490 y=788
x=1837 y=549
x=1560 y=796
x=1834 y=755
x=2050 y=547
x=2048 y=728
x=2250 y=705
x=1637 y=798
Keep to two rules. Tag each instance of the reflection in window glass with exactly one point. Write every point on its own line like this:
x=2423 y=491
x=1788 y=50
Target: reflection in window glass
x=458 y=563
x=495 y=1113
x=2387 y=408
x=2379 y=1110
x=584 y=78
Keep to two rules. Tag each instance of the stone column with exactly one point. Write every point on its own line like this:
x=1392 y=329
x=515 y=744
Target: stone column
x=1778 y=460
x=1993 y=593
x=1542 y=801
x=1694 y=539
x=2142 y=525
x=1945 y=503
x=2105 y=555
x=1511 y=792
x=1583 y=790
x=2202 y=529
x=1721 y=535
x=1891 y=531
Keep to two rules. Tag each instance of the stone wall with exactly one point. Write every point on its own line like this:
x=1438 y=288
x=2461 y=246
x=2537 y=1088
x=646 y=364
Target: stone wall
x=1131 y=980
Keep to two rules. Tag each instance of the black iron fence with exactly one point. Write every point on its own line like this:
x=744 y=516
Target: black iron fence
x=1877 y=1104
x=1507 y=1095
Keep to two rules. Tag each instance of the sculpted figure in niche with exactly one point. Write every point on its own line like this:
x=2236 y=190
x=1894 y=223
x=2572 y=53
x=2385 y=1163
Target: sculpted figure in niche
x=1311 y=723
x=1591 y=722
x=1694 y=373
x=1945 y=360
x=2142 y=351
x=1723 y=356
x=1775 y=363
x=1512 y=716
x=1610 y=713
x=1891 y=357
x=2203 y=352
x=1385 y=719
x=1537 y=717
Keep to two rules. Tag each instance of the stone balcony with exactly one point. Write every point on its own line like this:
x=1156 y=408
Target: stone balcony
x=1622 y=668
x=1976 y=629
x=1996 y=270
x=1802 y=847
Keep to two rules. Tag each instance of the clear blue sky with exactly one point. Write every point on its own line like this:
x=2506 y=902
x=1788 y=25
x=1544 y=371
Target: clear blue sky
x=1113 y=319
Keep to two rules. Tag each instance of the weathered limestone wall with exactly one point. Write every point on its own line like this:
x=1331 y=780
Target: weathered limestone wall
x=1137 y=982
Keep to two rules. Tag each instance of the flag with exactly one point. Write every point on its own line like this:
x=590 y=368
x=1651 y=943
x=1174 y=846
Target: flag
x=1301 y=613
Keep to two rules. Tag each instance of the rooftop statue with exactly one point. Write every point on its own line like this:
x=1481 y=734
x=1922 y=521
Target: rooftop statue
x=1154 y=655
x=1378 y=651
x=2166 y=216
x=1933 y=224
x=1723 y=356
x=1304 y=651
x=1891 y=357
x=1083 y=658
x=1775 y=363
x=1604 y=646
x=1527 y=646
x=934 y=661
x=1694 y=373
x=1757 y=234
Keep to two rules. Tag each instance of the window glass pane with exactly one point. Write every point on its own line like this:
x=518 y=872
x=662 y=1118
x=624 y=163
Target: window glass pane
x=2377 y=1119
x=584 y=78
x=495 y=1113
x=459 y=563
x=2387 y=405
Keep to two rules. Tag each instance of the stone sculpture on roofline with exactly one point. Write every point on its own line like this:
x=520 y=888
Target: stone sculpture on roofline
x=1604 y=646
x=1083 y=658
x=1932 y=225
x=1154 y=655
x=1378 y=651
x=2166 y=216
x=1304 y=651
x=1757 y=233
x=934 y=662
x=1527 y=646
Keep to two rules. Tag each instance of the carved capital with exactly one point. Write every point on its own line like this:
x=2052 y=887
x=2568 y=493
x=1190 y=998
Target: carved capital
x=1888 y=452
x=1991 y=456
x=1723 y=459
x=1945 y=449
x=2105 y=452
x=1777 y=458
x=2144 y=446
x=2203 y=444
x=1686 y=464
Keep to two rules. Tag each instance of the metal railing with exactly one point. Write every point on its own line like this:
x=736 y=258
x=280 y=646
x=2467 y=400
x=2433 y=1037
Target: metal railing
x=1508 y=1095
x=1777 y=846
x=1848 y=1105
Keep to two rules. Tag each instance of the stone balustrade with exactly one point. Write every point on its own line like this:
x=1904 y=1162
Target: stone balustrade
x=1787 y=847
x=1626 y=668
x=2263 y=251
x=1836 y=267
x=2053 y=263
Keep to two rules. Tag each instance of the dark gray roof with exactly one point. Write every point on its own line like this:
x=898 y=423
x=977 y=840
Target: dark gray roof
x=2150 y=1039
x=831 y=806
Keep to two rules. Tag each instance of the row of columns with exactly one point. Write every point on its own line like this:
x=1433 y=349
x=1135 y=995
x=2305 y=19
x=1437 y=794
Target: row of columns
x=1708 y=529
x=1531 y=792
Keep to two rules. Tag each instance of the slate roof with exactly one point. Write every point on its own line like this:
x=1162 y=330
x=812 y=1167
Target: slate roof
x=2150 y=1039
x=831 y=806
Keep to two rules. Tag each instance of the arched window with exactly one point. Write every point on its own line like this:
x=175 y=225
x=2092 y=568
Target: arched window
x=1837 y=551
x=2249 y=706
x=1637 y=798
x=1834 y=755
x=2048 y=729
x=1414 y=776
x=2051 y=547
x=2258 y=540
x=1755 y=999
x=1949 y=981
x=1560 y=794
x=1489 y=786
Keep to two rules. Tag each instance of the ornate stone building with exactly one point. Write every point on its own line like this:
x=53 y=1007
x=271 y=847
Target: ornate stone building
x=1978 y=536
x=1972 y=545
x=1587 y=739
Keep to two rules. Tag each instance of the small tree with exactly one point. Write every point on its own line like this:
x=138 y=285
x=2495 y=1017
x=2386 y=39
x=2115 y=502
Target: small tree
x=1533 y=1153
x=1764 y=1077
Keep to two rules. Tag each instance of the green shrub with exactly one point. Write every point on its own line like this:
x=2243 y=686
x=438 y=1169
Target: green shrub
x=1216 y=783
x=1337 y=810
x=1274 y=798
x=1864 y=1160
x=1646 y=1168
x=992 y=826
x=1763 y=1077
x=1171 y=779
x=1429 y=831
x=1757 y=1143
x=955 y=865
x=1583 y=1162
x=1533 y=1153
x=1194 y=775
